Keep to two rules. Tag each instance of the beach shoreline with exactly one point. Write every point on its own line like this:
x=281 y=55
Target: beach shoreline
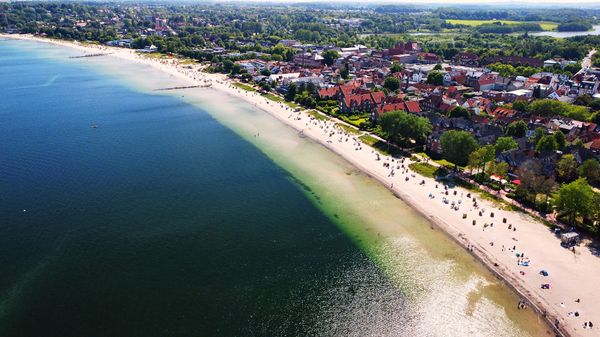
x=569 y=271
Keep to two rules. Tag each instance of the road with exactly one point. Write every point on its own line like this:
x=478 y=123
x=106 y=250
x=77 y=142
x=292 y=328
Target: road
x=586 y=63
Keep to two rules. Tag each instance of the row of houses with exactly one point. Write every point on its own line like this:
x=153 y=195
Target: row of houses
x=466 y=84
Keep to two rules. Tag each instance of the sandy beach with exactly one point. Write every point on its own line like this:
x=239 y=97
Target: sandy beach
x=516 y=249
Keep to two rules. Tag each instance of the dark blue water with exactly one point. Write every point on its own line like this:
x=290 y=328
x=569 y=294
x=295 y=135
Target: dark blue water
x=159 y=222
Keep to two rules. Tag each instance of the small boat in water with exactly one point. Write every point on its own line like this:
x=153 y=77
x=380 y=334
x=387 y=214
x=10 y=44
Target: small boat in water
x=93 y=126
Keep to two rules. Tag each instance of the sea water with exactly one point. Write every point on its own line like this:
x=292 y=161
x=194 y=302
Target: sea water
x=128 y=213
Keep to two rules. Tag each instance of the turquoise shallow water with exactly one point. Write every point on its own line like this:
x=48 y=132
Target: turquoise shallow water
x=159 y=222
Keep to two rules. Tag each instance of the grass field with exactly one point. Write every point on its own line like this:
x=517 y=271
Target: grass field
x=349 y=129
x=273 y=98
x=544 y=24
x=427 y=170
x=243 y=86
x=317 y=115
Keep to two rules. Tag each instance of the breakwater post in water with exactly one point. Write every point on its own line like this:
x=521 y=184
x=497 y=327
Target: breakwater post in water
x=89 y=55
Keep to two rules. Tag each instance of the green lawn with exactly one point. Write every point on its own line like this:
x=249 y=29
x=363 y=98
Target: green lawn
x=317 y=115
x=428 y=170
x=243 y=86
x=153 y=55
x=356 y=121
x=442 y=162
x=292 y=105
x=270 y=96
x=546 y=25
x=274 y=98
x=381 y=146
x=349 y=129
x=369 y=140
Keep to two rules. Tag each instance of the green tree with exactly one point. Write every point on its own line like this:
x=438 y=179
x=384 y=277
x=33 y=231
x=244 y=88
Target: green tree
x=391 y=83
x=329 y=56
x=546 y=144
x=396 y=67
x=435 y=78
x=583 y=100
x=538 y=133
x=505 y=144
x=567 y=168
x=575 y=199
x=480 y=157
x=590 y=169
x=227 y=65
x=517 y=129
x=344 y=72
x=550 y=107
x=457 y=146
x=499 y=168
x=595 y=104
x=236 y=69
x=437 y=67
x=533 y=184
x=520 y=105
x=264 y=85
x=560 y=140
x=578 y=143
x=292 y=89
x=404 y=128
x=459 y=111
x=388 y=125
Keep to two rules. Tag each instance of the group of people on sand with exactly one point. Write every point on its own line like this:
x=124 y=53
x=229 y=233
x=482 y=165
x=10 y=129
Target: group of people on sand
x=576 y=314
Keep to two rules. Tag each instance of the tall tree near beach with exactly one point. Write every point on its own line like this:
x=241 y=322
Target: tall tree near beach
x=567 y=168
x=457 y=146
x=403 y=128
x=590 y=169
x=534 y=183
x=479 y=158
x=574 y=200
x=499 y=168
x=291 y=92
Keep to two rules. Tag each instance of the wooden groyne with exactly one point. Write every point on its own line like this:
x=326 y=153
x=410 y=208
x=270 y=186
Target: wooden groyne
x=89 y=55
x=183 y=87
